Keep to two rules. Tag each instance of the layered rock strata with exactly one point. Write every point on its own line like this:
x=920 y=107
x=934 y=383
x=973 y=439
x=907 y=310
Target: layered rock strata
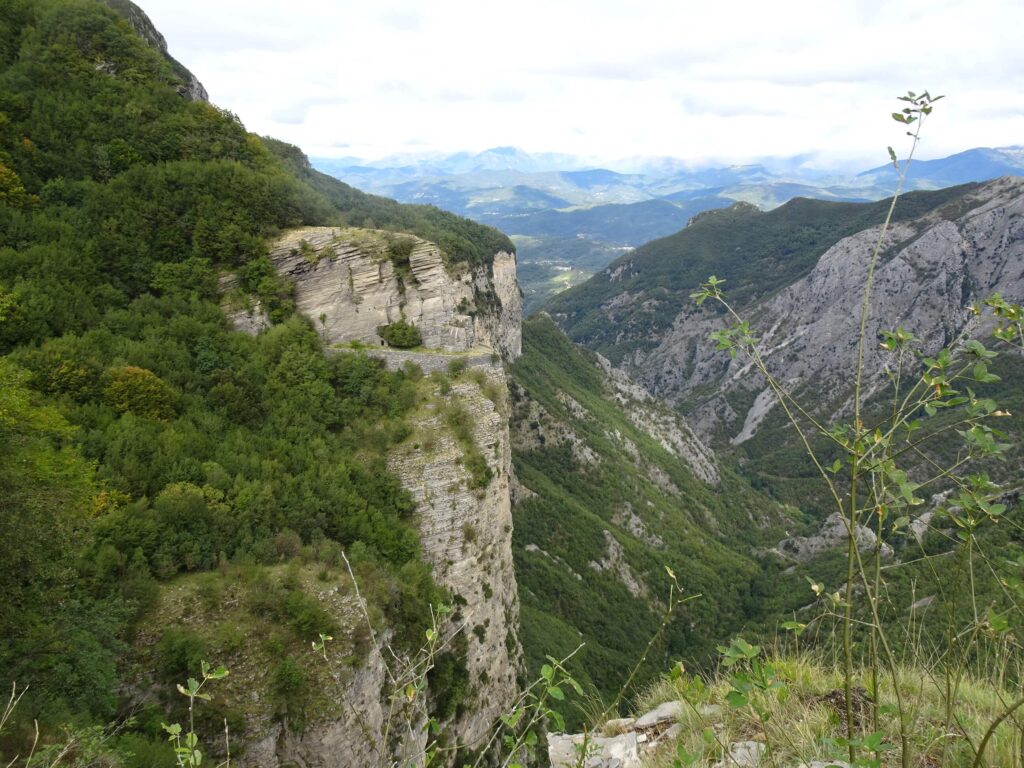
x=466 y=533
x=349 y=284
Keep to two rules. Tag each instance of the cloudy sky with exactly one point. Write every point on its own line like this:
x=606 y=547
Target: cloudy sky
x=707 y=82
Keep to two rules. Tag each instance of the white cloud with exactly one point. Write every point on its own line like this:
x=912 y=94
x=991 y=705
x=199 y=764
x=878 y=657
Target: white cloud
x=723 y=82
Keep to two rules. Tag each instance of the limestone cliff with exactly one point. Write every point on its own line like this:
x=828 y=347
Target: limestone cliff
x=456 y=463
x=932 y=269
x=349 y=282
x=466 y=531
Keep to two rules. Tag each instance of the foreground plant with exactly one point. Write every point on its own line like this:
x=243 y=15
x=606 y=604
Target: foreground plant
x=186 y=745
x=887 y=464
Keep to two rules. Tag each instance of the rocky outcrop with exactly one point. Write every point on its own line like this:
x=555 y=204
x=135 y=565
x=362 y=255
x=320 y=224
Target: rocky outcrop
x=353 y=737
x=535 y=427
x=614 y=562
x=931 y=270
x=466 y=533
x=621 y=743
x=349 y=283
x=833 y=534
x=663 y=424
x=190 y=86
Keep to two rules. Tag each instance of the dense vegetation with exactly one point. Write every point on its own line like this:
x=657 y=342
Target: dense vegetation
x=757 y=253
x=401 y=334
x=703 y=533
x=140 y=437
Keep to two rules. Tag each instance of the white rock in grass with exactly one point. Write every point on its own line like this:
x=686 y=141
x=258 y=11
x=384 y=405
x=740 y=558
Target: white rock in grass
x=667 y=712
x=614 y=752
x=743 y=754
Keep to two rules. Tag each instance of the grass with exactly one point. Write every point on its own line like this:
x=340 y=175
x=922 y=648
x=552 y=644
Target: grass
x=256 y=621
x=804 y=720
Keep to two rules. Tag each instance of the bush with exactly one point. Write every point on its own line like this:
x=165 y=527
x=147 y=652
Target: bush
x=449 y=680
x=179 y=654
x=401 y=334
x=289 y=681
x=135 y=390
x=400 y=249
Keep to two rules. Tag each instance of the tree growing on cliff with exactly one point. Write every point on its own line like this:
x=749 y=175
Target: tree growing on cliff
x=401 y=334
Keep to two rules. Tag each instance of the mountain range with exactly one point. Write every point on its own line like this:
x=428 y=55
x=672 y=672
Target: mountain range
x=569 y=219
x=251 y=416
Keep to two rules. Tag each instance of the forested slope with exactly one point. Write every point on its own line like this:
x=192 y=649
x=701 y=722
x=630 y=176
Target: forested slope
x=140 y=437
x=614 y=488
x=630 y=304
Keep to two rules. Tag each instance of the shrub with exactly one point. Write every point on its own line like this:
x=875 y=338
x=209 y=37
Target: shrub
x=289 y=680
x=400 y=249
x=140 y=392
x=400 y=334
x=449 y=680
x=179 y=653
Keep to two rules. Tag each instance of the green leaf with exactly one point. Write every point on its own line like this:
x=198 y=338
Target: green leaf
x=547 y=672
x=557 y=718
x=174 y=729
x=997 y=622
x=794 y=626
x=736 y=699
x=512 y=719
x=556 y=693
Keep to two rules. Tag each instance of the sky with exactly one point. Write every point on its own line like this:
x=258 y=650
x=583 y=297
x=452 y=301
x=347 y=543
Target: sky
x=710 y=83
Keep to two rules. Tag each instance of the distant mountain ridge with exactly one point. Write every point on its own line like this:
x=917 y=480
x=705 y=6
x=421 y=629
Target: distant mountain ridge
x=652 y=178
x=978 y=164
x=569 y=218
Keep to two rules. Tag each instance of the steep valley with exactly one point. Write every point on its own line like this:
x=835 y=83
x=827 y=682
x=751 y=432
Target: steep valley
x=251 y=416
x=611 y=489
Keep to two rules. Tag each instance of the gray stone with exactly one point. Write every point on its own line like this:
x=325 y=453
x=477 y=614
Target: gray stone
x=743 y=754
x=831 y=535
x=601 y=751
x=346 y=284
x=668 y=712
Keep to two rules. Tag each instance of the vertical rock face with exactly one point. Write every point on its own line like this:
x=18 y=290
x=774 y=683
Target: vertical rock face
x=466 y=533
x=349 y=284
